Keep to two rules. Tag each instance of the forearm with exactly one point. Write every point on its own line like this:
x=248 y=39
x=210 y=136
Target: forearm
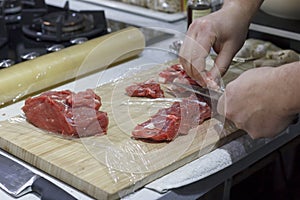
x=246 y=8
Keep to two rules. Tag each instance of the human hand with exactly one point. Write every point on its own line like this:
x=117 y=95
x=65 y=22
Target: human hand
x=224 y=31
x=258 y=102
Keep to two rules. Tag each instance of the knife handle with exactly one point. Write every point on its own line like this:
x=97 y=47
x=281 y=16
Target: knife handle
x=49 y=191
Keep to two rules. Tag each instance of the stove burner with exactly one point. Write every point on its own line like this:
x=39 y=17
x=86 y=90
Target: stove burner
x=70 y=21
x=63 y=26
x=66 y=25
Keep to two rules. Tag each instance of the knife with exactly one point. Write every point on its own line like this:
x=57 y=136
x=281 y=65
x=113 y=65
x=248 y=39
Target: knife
x=211 y=94
x=214 y=96
x=17 y=180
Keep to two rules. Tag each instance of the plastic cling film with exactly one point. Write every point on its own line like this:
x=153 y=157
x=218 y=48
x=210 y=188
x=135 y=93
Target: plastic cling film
x=55 y=68
x=133 y=159
x=114 y=164
x=120 y=153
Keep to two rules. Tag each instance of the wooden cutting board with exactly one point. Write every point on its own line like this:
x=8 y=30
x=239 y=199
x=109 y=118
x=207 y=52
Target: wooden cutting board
x=111 y=166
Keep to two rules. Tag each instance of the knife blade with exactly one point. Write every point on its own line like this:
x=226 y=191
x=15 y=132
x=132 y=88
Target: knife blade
x=214 y=96
x=17 y=180
x=211 y=94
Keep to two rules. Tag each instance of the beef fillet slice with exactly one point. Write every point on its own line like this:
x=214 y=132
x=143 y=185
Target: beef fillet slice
x=67 y=113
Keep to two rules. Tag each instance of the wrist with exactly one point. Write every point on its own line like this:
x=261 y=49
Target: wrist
x=245 y=8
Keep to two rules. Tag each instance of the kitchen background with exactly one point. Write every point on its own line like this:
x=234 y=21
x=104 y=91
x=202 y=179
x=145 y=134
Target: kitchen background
x=18 y=43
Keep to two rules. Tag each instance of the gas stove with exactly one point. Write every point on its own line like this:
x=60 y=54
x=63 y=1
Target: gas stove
x=31 y=28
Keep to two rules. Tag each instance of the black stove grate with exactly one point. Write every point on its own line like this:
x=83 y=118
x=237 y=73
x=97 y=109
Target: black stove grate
x=27 y=36
x=92 y=23
x=64 y=25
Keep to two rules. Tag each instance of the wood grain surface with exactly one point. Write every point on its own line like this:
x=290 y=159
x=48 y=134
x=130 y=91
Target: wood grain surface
x=111 y=166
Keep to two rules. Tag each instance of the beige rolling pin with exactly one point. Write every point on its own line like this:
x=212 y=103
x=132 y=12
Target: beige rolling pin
x=55 y=68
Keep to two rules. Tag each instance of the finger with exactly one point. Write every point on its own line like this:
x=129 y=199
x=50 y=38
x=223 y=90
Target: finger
x=185 y=50
x=222 y=62
x=192 y=60
x=185 y=53
x=205 y=40
x=195 y=49
x=197 y=71
x=200 y=51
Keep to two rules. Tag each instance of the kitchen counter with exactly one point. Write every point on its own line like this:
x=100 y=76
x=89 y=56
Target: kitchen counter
x=156 y=53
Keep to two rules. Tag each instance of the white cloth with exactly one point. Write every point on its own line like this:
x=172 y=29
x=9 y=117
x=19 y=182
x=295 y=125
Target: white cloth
x=204 y=166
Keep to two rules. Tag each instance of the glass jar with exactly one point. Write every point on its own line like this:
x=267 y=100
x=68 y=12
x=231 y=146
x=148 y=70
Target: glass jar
x=196 y=9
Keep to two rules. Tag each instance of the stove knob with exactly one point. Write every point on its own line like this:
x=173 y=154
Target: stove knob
x=30 y=56
x=6 y=63
x=79 y=40
x=55 y=47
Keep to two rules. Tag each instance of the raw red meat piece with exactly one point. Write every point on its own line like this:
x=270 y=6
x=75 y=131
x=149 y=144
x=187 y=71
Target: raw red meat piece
x=176 y=120
x=175 y=73
x=158 y=128
x=67 y=113
x=85 y=99
x=149 y=89
x=194 y=110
